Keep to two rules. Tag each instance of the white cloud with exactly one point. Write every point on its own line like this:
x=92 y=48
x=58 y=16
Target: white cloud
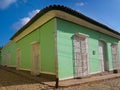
x=80 y=4
x=6 y=3
x=20 y=23
x=34 y=12
x=25 y=20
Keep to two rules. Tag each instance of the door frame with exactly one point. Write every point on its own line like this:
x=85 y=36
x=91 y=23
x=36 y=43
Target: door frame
x=81 y=35
x=18 y=62
x=39 y=64
x=5 y=60
x=117 y=57
x=105 y=56
x=8 y=58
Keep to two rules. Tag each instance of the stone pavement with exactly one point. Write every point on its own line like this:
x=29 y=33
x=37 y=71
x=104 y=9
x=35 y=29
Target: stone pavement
x=64 y=83
x=93 y=79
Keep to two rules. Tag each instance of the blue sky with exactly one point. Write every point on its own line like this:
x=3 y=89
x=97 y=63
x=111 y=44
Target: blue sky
x=15 y=13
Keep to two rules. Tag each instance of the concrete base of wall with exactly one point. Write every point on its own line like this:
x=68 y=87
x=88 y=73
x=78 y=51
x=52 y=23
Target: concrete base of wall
x=47 y=76
x=93 y=75
x=27 y=73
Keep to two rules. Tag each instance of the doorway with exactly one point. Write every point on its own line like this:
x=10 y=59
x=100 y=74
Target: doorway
x=81 y=56
x=103 y=56
x=115 y=56
x=18 y=59
x=8 y=59
x=35 y=58
x=5 y=60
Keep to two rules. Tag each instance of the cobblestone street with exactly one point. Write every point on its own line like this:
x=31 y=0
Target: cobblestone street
x=14 y=81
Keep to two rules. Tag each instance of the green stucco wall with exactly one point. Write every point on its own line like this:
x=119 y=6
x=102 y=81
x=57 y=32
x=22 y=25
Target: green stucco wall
x=47 y=47
x=44 y=35
x=65 y=33
x=12 y=49
x=25 y=46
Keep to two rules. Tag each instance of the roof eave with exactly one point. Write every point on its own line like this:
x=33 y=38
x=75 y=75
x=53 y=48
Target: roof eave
x=67 y=10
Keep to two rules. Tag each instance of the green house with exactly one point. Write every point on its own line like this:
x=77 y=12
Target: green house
x=64 y=43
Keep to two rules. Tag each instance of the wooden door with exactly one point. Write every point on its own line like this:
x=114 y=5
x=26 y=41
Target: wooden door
x=103 y=56
x=81 y=56
x=36 y=59
x=115 y=56
x=8 y=59
x=5 y=60
x=101 y=53
x=18 y=59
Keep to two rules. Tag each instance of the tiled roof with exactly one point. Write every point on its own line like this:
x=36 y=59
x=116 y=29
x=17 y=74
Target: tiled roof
x=67 y=10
